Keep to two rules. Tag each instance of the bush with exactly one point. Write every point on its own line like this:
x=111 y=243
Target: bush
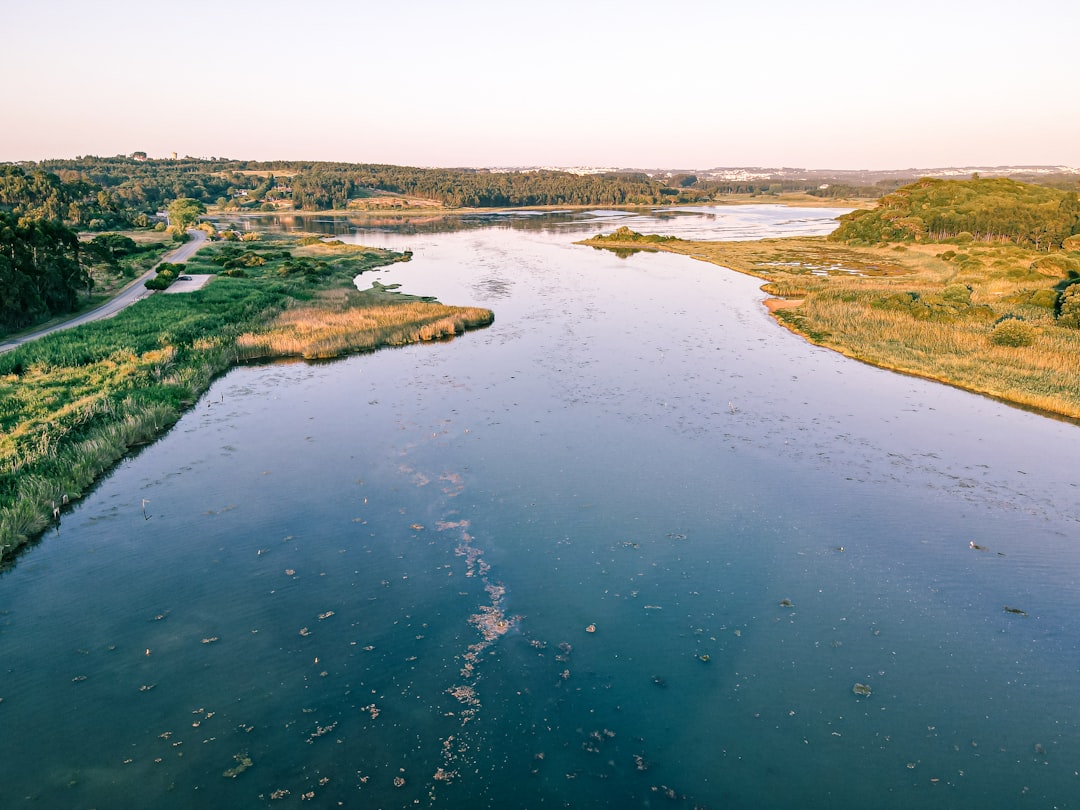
x=1056 y=265
x=1013 y=332
x=1068 y=307
x=1043 y=298
x=957 y=294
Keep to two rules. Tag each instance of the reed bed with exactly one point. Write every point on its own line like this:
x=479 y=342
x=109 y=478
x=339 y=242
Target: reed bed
x=313 y=333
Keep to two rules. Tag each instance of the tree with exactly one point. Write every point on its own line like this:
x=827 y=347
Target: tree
x=40 y=272
x=184 y=212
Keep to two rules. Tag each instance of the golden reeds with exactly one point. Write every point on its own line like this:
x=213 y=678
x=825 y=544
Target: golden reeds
x=313 y=332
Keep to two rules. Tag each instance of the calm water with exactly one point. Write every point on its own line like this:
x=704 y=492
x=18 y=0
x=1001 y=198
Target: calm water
x=631 y=546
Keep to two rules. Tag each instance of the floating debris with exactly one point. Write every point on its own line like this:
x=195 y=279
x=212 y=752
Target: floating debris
x=591 y=628
x=1015 y=610
x=416 y=527
x=78 y=679
x=326 y=615
x=786 y=603
x=210 y=640
x=399 y=782
x=321 y=731
x=146 y=687
x=304 y=631
x=861 y=689
x=704 y=658
x=977 y=547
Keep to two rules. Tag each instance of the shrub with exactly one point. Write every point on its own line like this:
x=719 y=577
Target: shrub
x=1056 y=265
x=1013 y=332
x=1043 y=298
x=1068 y=307
x=957 y=294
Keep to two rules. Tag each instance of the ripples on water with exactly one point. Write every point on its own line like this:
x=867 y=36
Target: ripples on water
x=633 y=545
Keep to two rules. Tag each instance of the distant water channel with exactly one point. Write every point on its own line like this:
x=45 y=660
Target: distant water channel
x=634 y=545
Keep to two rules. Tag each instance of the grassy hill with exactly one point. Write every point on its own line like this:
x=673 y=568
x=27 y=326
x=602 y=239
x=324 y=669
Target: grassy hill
x=998 y=211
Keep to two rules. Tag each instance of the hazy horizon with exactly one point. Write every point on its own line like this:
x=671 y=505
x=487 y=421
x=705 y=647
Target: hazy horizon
x=841 y=86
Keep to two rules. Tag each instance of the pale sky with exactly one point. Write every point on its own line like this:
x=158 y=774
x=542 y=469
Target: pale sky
x=686 y=84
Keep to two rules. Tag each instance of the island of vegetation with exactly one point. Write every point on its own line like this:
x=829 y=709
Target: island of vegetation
x=74 y=402
x=974 y=283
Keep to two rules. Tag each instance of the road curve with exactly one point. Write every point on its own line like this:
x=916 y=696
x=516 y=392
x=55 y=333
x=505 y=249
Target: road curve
x=135 y=291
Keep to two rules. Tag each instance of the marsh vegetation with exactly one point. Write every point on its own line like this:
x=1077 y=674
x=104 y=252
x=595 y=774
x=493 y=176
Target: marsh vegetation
x=996 y=314
x=75 y=402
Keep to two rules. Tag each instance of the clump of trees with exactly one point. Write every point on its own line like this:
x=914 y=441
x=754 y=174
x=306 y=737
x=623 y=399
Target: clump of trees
x=995 y=210
x=167 y=273
x=40 y=272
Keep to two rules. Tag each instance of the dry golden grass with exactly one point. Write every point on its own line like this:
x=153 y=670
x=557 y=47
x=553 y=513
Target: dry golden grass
x=886 y=305
x=317 y=332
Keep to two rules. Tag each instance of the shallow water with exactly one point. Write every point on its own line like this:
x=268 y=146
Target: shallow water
x=545 y=564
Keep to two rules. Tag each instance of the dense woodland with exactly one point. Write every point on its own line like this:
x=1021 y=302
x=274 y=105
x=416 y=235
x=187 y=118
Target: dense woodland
x=982 y=210
x=146 y=186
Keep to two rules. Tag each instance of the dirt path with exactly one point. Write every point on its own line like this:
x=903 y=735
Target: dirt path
x=133 y=292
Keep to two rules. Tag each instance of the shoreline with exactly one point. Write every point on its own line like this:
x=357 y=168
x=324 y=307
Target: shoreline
x=787 y=309
x=787 y=200
x=126 y=394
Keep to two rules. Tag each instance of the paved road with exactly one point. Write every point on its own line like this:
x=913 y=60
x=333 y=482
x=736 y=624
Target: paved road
x=133 y=292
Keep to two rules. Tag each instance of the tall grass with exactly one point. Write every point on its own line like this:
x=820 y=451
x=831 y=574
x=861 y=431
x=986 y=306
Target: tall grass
x=313 y=333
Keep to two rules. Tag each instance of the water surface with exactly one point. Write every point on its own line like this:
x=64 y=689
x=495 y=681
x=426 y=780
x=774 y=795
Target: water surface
x=632 y=545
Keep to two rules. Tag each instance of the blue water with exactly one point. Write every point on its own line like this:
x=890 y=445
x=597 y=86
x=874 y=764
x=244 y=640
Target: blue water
x=632 y=545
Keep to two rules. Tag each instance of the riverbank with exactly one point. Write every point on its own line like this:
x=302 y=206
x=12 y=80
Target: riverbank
x=431 y=209
x=78 y=401
x=928 y=310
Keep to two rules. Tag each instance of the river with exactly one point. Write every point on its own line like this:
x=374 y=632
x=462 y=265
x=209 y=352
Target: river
x=632 y=545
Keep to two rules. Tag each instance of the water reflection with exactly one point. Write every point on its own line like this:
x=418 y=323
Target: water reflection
x=687 y=222
x=633 y=545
